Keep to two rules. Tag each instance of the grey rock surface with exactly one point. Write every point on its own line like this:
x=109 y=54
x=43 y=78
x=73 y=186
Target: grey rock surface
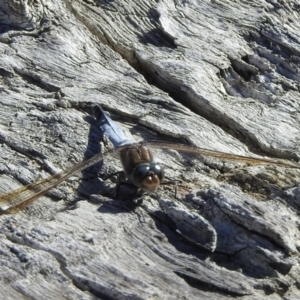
x=222 y=75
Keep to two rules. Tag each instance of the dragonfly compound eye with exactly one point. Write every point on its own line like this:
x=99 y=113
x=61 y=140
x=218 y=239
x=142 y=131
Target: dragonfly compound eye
x=157 y=170
x=148 y=177
x=141 y=171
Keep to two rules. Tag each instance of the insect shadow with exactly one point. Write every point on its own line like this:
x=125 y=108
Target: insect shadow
x=90 y=182
x=93 y=180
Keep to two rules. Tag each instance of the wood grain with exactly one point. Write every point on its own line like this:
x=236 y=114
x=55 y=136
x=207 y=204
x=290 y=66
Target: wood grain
x=219 y=75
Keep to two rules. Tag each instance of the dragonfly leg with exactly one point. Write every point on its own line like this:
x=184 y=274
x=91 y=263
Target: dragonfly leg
x=172 y=182
x=119 y=184
x=118 y=173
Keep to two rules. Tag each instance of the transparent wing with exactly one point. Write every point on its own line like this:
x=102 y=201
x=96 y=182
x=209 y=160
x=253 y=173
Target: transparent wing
x=16 y=200
x=221 y=155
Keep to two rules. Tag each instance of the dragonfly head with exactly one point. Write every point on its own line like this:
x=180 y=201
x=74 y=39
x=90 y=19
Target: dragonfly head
x=148 y=177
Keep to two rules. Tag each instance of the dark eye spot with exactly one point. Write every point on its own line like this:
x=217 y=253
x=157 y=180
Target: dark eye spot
x=141 y=171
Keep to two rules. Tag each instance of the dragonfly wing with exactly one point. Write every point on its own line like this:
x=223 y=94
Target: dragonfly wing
x=221 y=155
x=110 y=128
x=16 y=200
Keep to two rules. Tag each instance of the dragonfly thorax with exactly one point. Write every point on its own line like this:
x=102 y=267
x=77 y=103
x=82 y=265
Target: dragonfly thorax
x=148 y=176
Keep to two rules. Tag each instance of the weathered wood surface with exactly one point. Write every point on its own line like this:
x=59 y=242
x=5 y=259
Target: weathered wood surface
x=222 y=75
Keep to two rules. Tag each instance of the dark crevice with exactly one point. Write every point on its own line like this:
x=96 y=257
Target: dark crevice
x=245 y=73
x=192 y=275
x=195 y=282
x=234 y=129
x=27 y=151
x=186 y=98
x=262 y=235
x=245 y=59
x=217 y=118
x=102 y=3
x=175 y=91
x=274 y=47
x=80 y=283
x=254 y=185
x=38 y=81
x=273 y=40
x=6 y=73
x=227 y=261
x=158 y=38
x=236 y=260
x=6 y=28
x=280 y=267
x=284 y=60
x=170 y=229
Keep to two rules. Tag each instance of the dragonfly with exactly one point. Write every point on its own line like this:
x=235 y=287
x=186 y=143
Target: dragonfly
x=137 y=159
